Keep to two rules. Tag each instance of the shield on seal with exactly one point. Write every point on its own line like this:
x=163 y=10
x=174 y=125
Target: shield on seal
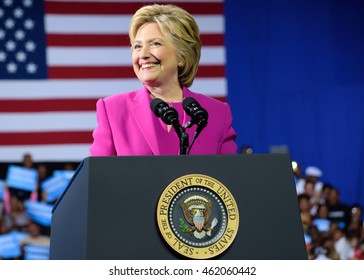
x=199 y=222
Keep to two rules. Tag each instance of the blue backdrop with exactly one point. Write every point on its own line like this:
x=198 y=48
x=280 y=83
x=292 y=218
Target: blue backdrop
x=295 y=72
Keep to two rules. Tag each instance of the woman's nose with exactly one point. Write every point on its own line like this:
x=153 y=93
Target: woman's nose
x=144 y=52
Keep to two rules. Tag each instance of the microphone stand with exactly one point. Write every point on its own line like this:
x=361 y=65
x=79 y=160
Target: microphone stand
x=183 y=140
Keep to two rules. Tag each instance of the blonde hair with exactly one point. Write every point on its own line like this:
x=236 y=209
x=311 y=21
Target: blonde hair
x=183 y=30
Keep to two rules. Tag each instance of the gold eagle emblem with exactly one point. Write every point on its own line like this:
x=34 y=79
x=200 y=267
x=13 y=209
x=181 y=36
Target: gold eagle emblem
x=197 y=212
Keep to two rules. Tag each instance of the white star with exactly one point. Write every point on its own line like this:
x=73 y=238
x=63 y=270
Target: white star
x=31 y=68
x=9 y=23
x=10 y=45
x=28 y=3
x=30 y=46
x=8 y=3
x=19 y=34
x=2 y=34
x=2 y=56
x=1 y=13
x=11 y=67
x=29 y=24
x=21 y=56
x=18 y=13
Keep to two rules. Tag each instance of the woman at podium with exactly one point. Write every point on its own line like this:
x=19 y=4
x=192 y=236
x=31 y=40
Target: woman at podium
x=165 y=53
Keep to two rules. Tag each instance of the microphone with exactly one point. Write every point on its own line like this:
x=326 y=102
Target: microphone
x=198 y=114
x=168 y=114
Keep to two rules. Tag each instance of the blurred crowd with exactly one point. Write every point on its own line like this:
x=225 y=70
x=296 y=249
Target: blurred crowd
x=332 y=229
x=23 y=233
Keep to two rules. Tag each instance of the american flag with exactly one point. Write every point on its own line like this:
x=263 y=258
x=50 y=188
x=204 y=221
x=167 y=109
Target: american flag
x=58 y=57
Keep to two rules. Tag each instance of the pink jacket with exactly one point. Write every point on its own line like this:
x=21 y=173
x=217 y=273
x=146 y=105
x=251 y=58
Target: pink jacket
x=126 y=126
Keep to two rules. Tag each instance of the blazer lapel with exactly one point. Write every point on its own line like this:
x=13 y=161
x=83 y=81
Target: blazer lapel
x=143 y=116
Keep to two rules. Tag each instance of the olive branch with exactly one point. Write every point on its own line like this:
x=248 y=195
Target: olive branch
x=183 y=226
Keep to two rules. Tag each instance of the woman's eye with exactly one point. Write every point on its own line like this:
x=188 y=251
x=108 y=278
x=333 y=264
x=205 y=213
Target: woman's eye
x=137 y=47
x=155 y=44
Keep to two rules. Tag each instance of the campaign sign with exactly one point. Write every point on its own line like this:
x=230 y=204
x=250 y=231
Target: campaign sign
x=9 y=246
x=54 y=186
x=2 y=189
x=22 y=178
x=36 y=252
x=68 y=174
x=39 y=212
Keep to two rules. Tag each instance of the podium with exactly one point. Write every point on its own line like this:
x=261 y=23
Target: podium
x=108 y=211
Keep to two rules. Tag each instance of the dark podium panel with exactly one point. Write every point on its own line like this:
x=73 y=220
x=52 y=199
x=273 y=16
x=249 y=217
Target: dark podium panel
x=108 y=211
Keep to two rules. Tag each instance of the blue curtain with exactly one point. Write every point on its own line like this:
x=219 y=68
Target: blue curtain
x=295 y=71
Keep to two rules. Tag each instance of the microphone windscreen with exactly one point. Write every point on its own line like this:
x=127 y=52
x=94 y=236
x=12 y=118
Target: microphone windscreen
x=153 y=106
x=188 y=101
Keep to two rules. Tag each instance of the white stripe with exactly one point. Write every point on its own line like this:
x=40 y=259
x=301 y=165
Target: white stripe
x=87 y=24
x=215 y=87
x=71 y=153
x=115 y=56
x=54 y=89
x=212 y=56
x=91 y=56
x=39 y=122
x=111 y=24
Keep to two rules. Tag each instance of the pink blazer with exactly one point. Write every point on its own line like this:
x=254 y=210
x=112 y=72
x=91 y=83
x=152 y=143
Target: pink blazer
x=126 y=127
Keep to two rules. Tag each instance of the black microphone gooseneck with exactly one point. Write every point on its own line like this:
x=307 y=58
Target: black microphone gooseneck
x=169 y=116
x=199 y=116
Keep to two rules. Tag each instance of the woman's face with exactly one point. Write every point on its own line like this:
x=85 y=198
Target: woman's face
x=154 y=56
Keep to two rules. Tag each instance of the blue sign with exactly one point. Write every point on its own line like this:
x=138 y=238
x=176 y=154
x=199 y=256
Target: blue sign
x=36 y=252
x=54 y=186
x=22 y=178
x=9 y=246
x=39 y=212
x=68 y=174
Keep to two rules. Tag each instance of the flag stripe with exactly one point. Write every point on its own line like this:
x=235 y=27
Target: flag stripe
x=116 y=24
x=54 y=105
x=44 y=138
x=112 y=40
x=115 y=56
x=100 y=72
x=48 y=152
x=111 y=8
x=46 y=105
x=92 y=88
x=48 y=121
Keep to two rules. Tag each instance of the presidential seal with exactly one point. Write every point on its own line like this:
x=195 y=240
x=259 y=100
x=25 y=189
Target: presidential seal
x=197 y=216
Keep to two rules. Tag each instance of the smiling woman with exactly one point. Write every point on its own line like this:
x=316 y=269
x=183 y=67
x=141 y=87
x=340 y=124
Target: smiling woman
x=165 y=52
x=156 y=62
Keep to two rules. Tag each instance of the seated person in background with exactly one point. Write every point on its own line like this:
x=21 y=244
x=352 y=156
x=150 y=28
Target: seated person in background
x=338 y=212
x=17 y=219
x=35 y=236
x=312 y=177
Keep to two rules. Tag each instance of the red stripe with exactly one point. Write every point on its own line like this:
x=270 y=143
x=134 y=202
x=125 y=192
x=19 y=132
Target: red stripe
x=54 y=105
x=47 y=105
x=90 y=72
x=212 y=39
x=211 y=71
x=105 y=72
x=88 y=40
x=44 y=138
x=126 y=8
x=114 y=40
